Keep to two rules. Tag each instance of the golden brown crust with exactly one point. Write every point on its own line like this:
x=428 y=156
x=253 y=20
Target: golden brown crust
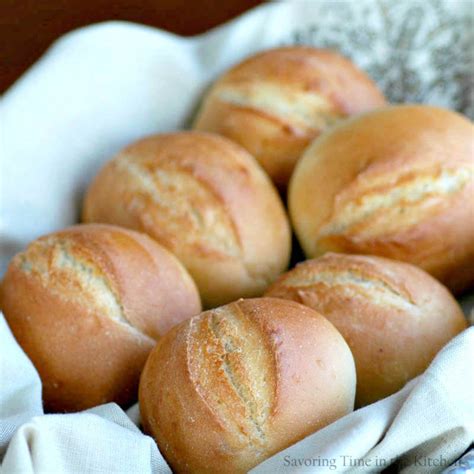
x=276 y=102
x=87 y=304
x=395 y=182
x=230 y=387
x=394 y=316
x=207 y=201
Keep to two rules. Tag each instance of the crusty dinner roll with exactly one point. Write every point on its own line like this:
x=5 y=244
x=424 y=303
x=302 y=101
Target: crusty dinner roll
x=276 y=102
x=226 y=389
x=87 y=305
x=397 y=182
x=205 y=199
x=394 y=316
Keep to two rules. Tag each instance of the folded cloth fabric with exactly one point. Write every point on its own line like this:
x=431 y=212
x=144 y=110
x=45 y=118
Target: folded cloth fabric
x=463 y=465
x=20 y=387
x=102 y=439
x=104 y=86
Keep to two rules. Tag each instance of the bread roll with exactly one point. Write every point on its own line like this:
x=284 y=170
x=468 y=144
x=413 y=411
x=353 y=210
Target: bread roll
x=397 y=182
x=87 y=305
x=207 y=201
x=394 y=316
x=226 y=389
x=276 y=102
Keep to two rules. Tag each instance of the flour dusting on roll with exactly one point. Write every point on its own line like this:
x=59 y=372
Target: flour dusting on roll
x=276 y=102
x=394 y=316
x=87 y=304
x=206 y=200
x=397 y=182
x=228 y=388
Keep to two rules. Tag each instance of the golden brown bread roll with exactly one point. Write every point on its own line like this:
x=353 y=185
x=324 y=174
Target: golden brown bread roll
x=226 y=389
x=394 y=316
x=276 y=102
x=207 y=201
x=397 y=182
x=87 y=305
